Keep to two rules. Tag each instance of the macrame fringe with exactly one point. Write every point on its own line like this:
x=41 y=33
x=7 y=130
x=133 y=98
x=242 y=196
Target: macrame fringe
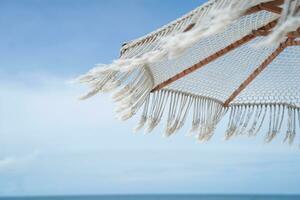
x=206 y=113
x=134 y=92
x=131 y=97
x=249 y=120
x=206 y=116
x=130 y=89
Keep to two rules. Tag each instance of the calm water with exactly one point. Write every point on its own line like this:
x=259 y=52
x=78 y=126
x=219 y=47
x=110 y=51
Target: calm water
x=161 y=197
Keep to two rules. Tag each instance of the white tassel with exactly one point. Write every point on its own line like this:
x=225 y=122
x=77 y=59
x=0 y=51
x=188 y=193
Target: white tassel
x=119 y=95
x=140 y=124
x=150 y=125
x=291 y=132
x=170 y=129
x=110 y=86
x=94 y=74
x=276 y=113
x=126 y=115
x=89 y=94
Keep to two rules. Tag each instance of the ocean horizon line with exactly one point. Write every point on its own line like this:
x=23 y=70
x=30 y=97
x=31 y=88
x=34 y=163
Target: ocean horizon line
x=149 y=194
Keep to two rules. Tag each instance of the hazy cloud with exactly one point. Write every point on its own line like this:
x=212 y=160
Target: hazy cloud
x=12 y=163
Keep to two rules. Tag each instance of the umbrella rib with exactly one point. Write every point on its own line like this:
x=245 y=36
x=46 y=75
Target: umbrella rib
x=296 y=43
x=271 y=6
x=258 y=70
x=218 y=54
x=294 y=34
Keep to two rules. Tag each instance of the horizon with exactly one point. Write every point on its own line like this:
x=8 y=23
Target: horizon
x=150 y=194
x=54 y=145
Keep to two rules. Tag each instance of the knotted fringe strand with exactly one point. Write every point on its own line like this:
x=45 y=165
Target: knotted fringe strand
x=130 y=89
x=178 y=109
x=249 y=119
x=206 y=112
x=133 y=94
x=291 y=129
x=211 y=112
x=153 y=110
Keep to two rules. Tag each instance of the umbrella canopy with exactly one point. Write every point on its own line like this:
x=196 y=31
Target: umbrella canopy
x=226 y=56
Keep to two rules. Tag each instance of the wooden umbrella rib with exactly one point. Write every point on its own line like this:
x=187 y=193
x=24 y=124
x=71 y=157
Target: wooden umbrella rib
x=205 y=61
x=189 y=27
x=271 y=6
x=257 y=71
x=276 y=2
x=295 y=43
x=218 y=54
x=294 y=34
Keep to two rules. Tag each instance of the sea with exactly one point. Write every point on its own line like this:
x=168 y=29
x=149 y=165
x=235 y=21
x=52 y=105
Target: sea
x=160 y=197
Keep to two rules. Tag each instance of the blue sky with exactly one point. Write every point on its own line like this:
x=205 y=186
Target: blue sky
x=53 y=144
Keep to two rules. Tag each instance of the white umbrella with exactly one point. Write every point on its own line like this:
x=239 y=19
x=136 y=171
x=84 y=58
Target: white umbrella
x=226 y=56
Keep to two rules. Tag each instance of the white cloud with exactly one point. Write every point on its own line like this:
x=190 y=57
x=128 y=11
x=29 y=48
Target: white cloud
x=85 y=150
x=13 y=163
x=46 y=114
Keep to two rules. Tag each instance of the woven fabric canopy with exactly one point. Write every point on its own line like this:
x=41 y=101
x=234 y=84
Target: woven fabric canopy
x=227 y=56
